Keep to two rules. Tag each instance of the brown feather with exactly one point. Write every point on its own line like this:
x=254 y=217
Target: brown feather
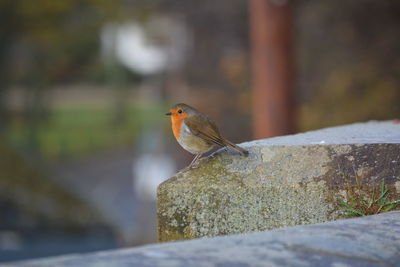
x=203 y=127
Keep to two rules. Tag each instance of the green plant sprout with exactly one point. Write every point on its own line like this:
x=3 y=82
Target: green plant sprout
x=378 y=203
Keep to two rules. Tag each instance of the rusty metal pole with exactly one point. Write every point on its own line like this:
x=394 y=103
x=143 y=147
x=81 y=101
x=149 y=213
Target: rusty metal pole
x=271 y=38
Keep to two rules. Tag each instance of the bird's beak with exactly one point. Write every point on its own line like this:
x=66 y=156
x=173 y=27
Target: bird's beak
x=168 y=113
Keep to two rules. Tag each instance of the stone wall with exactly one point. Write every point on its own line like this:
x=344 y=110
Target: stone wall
x=285 y=181
x=367 y=241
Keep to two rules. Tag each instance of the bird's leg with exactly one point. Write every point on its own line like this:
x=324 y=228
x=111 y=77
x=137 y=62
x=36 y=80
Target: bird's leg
x=191 y=163
x=194 y=160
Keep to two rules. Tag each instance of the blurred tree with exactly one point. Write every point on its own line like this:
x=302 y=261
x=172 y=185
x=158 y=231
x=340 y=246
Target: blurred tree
x=61 y=36
x=7 y=34
x=272 y=67
x=45 y=42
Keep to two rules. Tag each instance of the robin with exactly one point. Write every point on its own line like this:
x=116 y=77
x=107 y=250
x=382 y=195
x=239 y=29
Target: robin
x=196 y=132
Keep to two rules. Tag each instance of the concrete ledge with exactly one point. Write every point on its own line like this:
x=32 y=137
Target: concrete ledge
x=366 y=241
x=285 y=181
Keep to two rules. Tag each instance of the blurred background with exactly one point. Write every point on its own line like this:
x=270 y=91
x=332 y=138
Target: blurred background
x=84 y=86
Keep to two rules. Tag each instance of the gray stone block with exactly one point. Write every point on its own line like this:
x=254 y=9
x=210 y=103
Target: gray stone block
x=366 y=241
x=285 y=181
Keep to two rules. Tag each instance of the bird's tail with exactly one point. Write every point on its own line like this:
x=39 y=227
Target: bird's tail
x=242 y=151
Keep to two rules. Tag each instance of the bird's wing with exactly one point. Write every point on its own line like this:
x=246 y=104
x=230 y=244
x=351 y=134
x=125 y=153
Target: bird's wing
x=203 y=127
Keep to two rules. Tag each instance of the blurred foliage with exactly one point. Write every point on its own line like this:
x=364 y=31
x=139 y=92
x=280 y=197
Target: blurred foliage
x=48 y=41
x=351 y=94
x=80 y=130
x=28 y=198
x=349 y=70
x=45 y=43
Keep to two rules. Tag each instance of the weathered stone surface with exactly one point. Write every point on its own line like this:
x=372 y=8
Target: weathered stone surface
x=285 y=181
x=367 y=241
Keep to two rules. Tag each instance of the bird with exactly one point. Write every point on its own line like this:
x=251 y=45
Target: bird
x=196 y=132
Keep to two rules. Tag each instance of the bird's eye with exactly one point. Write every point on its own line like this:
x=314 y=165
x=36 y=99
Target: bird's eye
x=180 y=111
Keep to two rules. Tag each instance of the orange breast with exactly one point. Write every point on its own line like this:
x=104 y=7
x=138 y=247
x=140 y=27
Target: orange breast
x=177 y=124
